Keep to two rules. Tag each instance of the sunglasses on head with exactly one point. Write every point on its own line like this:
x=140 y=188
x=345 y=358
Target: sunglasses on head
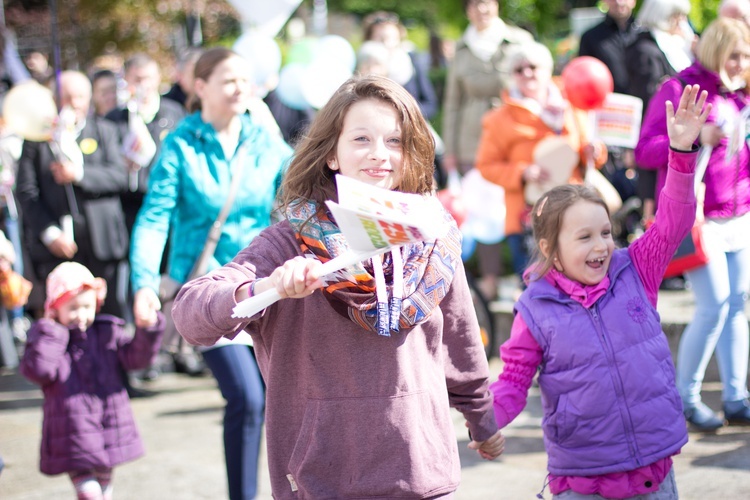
x=519 y=70
x=385 y=18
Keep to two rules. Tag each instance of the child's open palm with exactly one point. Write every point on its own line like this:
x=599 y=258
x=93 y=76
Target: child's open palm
x=684 y=124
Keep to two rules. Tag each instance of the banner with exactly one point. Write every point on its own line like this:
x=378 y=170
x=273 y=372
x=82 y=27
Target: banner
x=618 y=121
x=373 y=220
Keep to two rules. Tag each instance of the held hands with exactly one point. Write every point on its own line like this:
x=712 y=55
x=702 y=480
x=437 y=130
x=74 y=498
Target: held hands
x=684 y=124
x=491 y=448
x=145 y=305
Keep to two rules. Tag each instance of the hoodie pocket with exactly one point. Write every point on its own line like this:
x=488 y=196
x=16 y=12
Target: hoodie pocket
x=374 y=447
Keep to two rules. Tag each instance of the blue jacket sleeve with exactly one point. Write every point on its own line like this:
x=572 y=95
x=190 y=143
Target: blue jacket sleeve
x=152 y=225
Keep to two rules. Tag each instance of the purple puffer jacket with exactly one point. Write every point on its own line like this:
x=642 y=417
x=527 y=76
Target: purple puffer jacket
x=727 y=183
x=607 y=381
x=88 y=422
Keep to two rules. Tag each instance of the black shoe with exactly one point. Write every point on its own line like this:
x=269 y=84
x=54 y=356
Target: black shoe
x=737 y=412
x=189 y=364
x=676 y=283
x=150 y=374
x=135 y=392
x=701 y=418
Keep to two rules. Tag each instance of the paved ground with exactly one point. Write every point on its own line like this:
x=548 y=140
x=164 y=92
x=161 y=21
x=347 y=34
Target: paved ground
x=181 y=426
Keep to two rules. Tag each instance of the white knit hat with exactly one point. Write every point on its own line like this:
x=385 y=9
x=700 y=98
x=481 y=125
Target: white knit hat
x=69 y=279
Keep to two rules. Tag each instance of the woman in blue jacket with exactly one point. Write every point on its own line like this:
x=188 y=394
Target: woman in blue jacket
x=187 y=189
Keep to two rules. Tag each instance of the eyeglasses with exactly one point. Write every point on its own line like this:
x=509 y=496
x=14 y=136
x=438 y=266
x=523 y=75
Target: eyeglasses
x=382 y=18
x=521 y=69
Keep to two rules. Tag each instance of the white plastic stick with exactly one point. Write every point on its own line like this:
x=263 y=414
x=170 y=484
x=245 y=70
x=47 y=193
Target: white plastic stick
x=255 y=304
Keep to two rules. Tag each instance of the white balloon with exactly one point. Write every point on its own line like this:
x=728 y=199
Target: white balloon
x=263 y=53
x=321 y=80
x=289 y=89
x=267 y=16
x=29 y=111
x=333 y=48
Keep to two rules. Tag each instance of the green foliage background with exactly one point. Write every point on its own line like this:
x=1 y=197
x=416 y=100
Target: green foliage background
x=99 y=26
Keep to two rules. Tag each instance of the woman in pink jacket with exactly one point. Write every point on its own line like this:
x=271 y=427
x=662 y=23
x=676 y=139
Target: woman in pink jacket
x=720 y=288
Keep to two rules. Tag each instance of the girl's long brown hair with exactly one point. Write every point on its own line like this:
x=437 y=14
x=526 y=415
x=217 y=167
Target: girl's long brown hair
x=309 y=178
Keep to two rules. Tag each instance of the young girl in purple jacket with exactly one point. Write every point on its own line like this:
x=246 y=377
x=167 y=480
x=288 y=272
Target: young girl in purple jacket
x=77 y=356
x=588 y=321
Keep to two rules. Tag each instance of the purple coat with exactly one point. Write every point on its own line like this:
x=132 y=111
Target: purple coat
x=727 y=183
x=88 y=422
x=608 y=382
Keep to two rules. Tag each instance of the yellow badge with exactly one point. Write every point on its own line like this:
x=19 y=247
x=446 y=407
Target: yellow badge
x=88 y=146
x=163 y=134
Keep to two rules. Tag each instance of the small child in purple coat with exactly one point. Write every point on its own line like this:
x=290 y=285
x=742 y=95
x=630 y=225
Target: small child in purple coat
x=77 y=356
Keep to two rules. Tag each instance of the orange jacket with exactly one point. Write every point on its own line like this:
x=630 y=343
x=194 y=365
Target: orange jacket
x=509 y=135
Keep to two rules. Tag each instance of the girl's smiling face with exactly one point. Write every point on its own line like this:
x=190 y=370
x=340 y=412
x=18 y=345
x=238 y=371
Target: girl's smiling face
x=369 y=148
x=585 y=243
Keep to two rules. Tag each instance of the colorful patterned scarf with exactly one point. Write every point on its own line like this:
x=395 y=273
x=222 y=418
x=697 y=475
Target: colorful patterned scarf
x=428 y=269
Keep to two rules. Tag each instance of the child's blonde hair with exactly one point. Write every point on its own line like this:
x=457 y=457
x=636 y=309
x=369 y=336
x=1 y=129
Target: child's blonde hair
x=546 y=222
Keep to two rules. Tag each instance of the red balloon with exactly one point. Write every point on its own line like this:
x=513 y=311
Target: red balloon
x=587 y=82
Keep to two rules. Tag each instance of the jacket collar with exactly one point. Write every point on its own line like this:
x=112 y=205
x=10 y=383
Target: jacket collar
x=205 y=131
x=610 y=22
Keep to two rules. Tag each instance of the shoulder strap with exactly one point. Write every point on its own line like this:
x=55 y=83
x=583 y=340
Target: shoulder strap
x=214 y=233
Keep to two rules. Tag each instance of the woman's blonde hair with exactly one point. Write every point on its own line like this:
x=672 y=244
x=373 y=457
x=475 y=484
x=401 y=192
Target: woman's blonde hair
x=309 y=178
x=717 y=43
x=547 y=219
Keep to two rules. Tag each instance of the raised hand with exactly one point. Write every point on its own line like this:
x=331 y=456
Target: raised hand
x=684 y=124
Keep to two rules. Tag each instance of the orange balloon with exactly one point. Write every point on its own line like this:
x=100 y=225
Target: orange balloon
x=587 y=82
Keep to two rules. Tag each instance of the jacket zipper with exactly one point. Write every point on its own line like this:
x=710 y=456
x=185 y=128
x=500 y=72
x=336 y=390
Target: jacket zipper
x=617 y=378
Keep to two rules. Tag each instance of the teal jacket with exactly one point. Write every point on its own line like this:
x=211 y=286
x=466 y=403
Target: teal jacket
x=187 y=189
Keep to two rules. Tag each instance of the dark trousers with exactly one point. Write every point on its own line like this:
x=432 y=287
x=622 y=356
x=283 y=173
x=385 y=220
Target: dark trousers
x=236 y=371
